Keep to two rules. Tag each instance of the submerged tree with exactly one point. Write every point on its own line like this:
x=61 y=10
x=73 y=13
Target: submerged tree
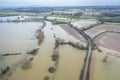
x=51 y=69
x=46 y=78
x=105 y=59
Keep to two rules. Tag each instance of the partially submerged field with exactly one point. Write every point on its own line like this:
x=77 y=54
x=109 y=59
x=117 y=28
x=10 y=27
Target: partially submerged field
x=106 y=66
x=74 y=33
x=109 y=40
x=105 y=60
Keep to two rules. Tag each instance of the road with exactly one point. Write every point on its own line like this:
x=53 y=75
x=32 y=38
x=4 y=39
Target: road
x=85 y=72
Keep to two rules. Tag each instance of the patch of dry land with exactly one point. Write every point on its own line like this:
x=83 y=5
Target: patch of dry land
x=101 y=28
x=109 y=40
x=84 y=23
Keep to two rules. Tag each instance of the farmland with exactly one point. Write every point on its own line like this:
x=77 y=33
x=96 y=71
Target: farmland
x=60 y=43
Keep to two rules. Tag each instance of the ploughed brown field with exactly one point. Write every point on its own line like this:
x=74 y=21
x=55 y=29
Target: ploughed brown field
x=109 y=40
x=73 y=32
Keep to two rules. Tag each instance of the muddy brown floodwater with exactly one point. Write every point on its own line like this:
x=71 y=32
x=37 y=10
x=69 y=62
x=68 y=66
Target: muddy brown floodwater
x=41 y=62
x=108 y=70
x=16 y=38
x=70 y=59
x=70 y=63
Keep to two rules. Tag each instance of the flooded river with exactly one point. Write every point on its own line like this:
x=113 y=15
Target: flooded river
x=20 y=38
x=41 y=62
x=17 y=37
x=13 y=18
x=70 y=62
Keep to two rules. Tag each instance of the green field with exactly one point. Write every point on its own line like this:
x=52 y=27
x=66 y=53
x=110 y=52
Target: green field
x=65 y=21
x=9 y=13
x=60 y=15
x=112 y=23
x=88 y=17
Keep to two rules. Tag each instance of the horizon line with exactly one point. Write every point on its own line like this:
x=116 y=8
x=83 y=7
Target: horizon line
x=61 y=6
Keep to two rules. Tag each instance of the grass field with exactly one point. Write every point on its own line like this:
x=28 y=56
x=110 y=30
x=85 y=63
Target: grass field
x=11 y=13
x=88 y=17
x=60 y=15
x=8 y=13
x=112 y=23
x=65 y=20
